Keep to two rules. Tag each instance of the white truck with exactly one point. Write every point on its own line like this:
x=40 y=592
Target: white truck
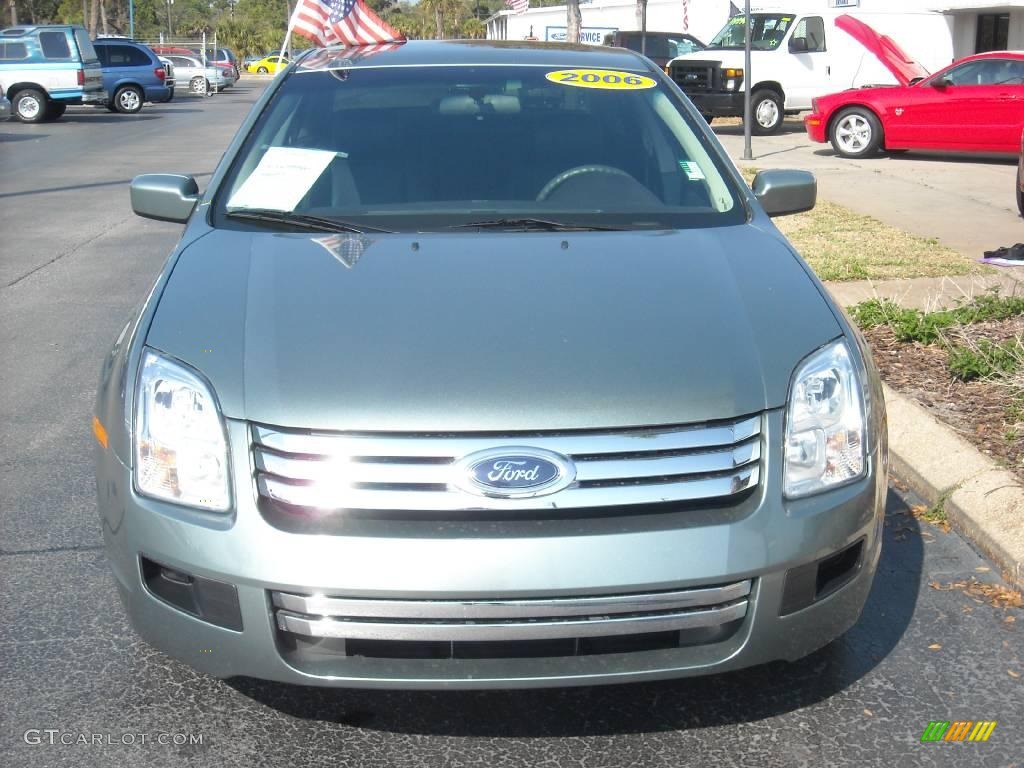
x=796 y=57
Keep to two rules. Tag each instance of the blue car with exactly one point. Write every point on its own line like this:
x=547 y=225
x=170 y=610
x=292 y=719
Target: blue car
x=132 y=74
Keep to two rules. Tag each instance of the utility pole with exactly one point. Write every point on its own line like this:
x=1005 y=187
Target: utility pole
x=748 y=150
x=170 y=28
x=14 y=13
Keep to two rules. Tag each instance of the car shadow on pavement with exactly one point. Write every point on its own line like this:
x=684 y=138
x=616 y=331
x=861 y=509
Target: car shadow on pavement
x=788 y=126
x=9 y=137
x=932 y=157
x=691 y=703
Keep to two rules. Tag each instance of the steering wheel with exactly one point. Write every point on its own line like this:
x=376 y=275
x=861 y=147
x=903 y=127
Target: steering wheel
x=579 y=170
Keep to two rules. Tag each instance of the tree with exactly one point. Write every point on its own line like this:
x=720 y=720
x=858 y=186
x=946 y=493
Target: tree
x=573 y=21
x=473 y=29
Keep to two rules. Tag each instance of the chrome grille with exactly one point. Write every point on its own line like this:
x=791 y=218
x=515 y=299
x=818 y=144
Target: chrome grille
x=509 y=620
x=377 y=471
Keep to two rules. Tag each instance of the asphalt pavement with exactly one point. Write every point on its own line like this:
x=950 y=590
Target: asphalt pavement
x=80 y=689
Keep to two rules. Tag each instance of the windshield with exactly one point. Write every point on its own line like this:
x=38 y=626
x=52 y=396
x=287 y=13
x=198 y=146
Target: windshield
x=431 y=148
x=767 y=31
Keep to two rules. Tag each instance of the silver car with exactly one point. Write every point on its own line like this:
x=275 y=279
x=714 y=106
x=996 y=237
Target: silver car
x=190 y=72
x=481 y=367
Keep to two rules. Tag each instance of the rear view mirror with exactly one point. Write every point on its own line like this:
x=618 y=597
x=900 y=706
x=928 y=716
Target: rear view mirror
x=164 y=196
x=785 y=192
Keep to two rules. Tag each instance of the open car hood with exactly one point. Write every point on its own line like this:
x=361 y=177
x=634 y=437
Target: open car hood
x=886 y=50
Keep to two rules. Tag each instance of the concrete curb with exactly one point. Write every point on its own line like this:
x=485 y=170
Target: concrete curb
x=983 y=502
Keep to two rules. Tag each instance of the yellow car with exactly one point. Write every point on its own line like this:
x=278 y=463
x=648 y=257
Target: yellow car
x=268 y=64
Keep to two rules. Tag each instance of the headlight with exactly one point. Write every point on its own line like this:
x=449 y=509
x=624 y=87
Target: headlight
x=180 y=449
x=824 y=423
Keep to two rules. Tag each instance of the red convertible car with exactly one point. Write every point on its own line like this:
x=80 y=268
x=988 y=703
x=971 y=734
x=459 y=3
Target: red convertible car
x=973 y=105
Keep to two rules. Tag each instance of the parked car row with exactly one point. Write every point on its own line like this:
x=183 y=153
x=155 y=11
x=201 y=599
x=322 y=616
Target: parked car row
x=45 y=68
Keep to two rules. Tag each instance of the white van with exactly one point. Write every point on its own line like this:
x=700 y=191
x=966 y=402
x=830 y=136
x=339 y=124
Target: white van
x=798 y=56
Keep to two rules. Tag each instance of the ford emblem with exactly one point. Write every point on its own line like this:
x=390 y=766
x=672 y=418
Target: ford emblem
x=514 y=473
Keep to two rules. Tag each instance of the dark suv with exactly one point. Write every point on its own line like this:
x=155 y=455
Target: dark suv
x=659 y=47
x=132 y=74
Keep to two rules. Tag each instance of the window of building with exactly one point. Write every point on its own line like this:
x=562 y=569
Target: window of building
x=993 y=32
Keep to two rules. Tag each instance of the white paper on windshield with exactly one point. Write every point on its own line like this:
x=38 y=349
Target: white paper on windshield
x=282 y=179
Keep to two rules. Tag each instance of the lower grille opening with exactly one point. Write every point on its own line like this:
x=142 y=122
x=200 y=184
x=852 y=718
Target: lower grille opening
x=300 y=648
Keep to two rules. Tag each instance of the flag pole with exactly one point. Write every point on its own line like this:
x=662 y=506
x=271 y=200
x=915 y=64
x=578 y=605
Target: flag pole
x=288 y=34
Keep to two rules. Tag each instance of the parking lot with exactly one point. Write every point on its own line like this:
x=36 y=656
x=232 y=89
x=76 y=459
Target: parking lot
x=75 y=263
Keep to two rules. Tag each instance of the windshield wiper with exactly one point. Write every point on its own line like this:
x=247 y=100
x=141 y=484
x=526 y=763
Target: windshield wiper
x=540 y=225
x=302 y=220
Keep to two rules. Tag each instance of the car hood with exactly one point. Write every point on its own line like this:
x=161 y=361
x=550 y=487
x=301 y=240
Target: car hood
x=886 y=50
x=493 y=331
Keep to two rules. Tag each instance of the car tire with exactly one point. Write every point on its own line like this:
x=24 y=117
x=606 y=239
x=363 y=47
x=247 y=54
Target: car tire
x=766 y=108
x=29 y=105
x=197 y=85
x=263 y=71
x=128 y=99
x=855 y=132
x=55 y=110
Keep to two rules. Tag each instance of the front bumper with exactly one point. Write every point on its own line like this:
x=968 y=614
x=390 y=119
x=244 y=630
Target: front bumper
x=718 y=103
x=291 y=587
x=816 y=126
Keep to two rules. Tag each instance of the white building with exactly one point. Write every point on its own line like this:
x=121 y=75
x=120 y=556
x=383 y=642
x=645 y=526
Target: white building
x=975 y=25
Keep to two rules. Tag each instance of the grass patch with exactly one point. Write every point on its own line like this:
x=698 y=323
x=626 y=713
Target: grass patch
x=985 y=359
x=927 y=327
x=842 y=245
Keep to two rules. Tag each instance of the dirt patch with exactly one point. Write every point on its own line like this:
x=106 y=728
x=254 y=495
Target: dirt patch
x=988 y=414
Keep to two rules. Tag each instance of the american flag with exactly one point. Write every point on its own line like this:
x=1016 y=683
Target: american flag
x=344 y=22
x=518 y=6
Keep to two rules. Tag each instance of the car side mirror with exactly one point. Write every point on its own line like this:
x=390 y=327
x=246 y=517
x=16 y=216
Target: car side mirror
x=782 y=193
x=798 y=45
x=942 y=82
x=164 y=196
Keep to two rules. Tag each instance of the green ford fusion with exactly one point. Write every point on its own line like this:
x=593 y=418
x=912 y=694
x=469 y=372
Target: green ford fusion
x=478 y=365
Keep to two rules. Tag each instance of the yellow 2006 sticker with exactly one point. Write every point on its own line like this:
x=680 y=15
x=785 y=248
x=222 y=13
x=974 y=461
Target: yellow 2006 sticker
x=608 y=79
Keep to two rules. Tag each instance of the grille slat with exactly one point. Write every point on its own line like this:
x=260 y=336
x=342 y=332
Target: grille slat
x=509 y=620
x=334 y=471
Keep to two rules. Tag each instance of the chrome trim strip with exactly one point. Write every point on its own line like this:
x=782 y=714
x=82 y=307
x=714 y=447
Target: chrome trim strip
x=528 y=630
x=666 y=466
x=472 y=610
x=331 y=495
x=342 y=445
x=326 y=470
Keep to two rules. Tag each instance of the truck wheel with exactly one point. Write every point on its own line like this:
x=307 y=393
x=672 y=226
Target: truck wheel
x=128 y=99
x=766 y=108
x=55 y=109
x=855 y=132
x=30 y=105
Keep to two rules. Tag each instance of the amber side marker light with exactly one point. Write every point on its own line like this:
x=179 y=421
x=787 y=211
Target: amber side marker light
x=99 y=432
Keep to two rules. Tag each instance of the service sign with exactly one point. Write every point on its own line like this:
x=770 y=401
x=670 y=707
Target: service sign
x=588 y=35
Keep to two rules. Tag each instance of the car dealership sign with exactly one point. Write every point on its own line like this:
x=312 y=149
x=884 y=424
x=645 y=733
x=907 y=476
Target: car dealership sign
x=588 y=35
